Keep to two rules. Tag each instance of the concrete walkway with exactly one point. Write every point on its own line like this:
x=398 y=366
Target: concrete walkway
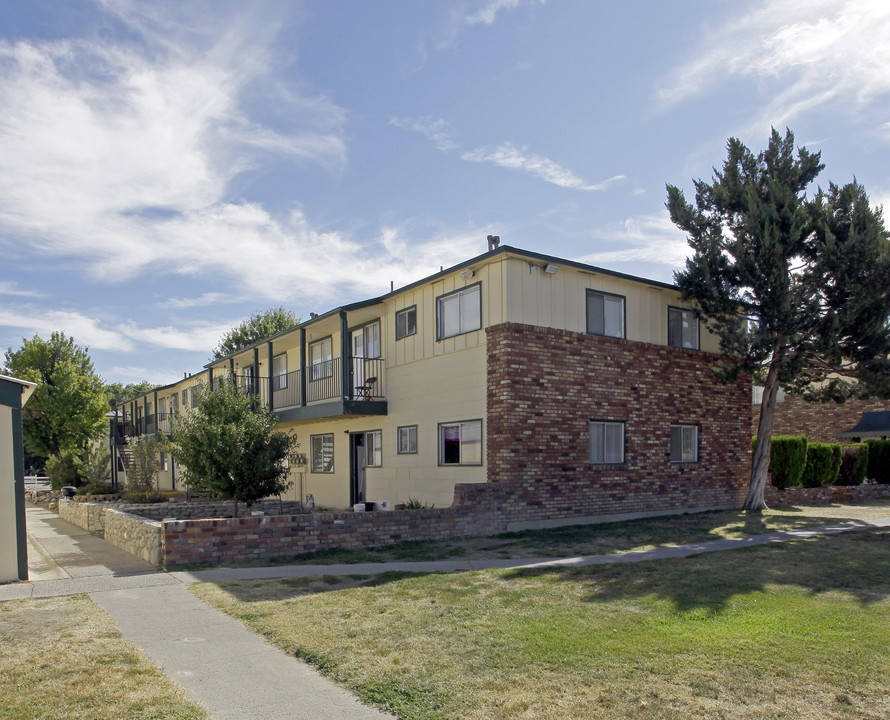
x=220 y=664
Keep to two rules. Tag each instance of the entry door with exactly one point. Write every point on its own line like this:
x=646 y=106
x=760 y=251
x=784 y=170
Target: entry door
x=359 y=462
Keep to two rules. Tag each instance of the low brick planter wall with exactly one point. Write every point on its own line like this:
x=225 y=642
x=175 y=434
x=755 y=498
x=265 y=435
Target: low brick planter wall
x=824 y=495
x=199 y=510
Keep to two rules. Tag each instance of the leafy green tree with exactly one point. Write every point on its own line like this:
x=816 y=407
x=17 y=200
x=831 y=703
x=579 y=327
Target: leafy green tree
x=797 y=289
x=259 y=326
x=230 y=449
x=142 y=473
x=95 y=464
x=68 y=407
x=119 y=393
x=62 y=471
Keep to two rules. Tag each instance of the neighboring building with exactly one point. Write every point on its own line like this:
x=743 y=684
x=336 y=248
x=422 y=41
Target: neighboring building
x=510 y=367
x=14 y=394
x=820 y=422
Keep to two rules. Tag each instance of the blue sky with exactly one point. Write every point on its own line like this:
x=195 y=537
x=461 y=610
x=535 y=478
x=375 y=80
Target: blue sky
x=168 y=168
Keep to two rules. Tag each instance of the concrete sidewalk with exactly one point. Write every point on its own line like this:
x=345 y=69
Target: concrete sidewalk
x=220 y=664
x=232 y=672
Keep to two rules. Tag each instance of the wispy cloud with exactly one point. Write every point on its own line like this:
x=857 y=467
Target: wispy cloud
x=11 y=288
x=99 y=333
x=821 y=52
x=436 y=130
x=488 y=13
x=120 y=155
x=205 y=300
x=509 y=156
x=644 y=238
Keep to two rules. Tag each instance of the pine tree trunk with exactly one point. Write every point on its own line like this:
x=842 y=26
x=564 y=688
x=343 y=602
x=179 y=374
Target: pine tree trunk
x=760 y=462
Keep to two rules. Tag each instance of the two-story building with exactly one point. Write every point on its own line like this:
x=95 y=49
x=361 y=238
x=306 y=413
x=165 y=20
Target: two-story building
x=511 y=367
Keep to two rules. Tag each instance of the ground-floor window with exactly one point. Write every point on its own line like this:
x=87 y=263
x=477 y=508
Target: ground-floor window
x=374 y=448
x=321 y=451
x=407 y=441
x=684 y=443
x=460 y=443
x=606 y=442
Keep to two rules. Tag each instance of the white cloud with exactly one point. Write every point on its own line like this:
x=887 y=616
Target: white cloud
x=645 y=238
x=11 y=288
x=435 y=129
x=508 y=156
x=120 y=156
x=820 y=52
x=86 y=331
x=487 y=14
x=205 y=300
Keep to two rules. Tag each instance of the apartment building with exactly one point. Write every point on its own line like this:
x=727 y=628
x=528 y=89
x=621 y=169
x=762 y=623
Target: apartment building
x=511 y=367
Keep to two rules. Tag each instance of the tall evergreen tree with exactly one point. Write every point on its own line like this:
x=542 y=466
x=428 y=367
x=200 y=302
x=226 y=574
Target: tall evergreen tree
x=797 y=289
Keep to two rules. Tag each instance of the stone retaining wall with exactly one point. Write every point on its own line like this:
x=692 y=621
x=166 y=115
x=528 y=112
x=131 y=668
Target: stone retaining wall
x=136 y=535
x=125 y=530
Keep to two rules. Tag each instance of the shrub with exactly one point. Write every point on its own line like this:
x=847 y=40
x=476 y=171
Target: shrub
x=879 y=461
x=788 y=457
x=854 y=463
x=823 y=464
x=61 y=471
x=96 y=489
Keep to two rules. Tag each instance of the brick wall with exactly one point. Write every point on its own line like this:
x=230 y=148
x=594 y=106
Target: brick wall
x=545 y=385
x=820 y=422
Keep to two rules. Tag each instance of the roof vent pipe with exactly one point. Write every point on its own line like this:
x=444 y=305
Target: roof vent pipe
x=493 y=242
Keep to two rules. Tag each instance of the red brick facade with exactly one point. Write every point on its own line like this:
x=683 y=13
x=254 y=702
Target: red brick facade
x=820 y=422
x=544 y=387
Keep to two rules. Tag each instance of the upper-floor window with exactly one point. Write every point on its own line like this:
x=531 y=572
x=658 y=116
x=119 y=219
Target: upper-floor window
x=684 y=443
x=195 y=390
x=682 y=328
x=279 y=372
x=321 y=363
x=606 y=442
x=406 y=322
x=605 y=314
x=459 y=312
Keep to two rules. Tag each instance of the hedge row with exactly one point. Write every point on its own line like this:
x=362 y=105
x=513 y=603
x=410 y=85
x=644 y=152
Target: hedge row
x=794 y=461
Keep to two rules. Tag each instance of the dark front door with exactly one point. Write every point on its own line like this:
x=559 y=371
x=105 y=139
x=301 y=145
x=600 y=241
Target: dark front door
x=358 y=462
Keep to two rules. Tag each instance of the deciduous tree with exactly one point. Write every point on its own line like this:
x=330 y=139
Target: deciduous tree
x=68 y=407
x=230 y=447
x=259 y=326
x=796 y=288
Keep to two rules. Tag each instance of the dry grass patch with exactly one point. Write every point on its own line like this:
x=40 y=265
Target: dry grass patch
x=798 y=630
x=64 y=658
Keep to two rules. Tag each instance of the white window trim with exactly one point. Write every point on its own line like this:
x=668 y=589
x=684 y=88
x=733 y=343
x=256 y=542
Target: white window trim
x=319 y=468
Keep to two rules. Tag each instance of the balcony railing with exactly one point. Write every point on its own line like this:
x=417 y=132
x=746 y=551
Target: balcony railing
x=317 y=383
x=323 y=381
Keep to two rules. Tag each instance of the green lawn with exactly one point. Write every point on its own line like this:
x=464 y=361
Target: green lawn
x=797 y=630
x=64 y=658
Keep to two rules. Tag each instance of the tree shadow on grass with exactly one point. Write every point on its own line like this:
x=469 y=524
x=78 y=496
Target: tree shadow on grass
x=289 y=588
x=856 y=563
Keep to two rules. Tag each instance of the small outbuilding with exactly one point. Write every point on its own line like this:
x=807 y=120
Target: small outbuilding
x=871 y=425
x=14 y=393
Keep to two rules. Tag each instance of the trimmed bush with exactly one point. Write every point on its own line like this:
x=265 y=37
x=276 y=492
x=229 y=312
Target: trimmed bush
x=62 y=471
x=879 y=461
x=854 y=463
x=788 y=458
x=823 y=465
